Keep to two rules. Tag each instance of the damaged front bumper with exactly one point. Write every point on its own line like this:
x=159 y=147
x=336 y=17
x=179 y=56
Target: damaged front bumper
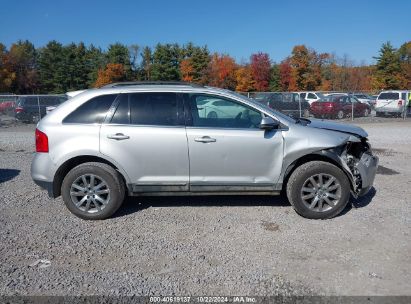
x=367 y=168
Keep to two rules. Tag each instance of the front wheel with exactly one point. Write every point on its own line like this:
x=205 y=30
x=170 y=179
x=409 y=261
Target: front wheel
x=318 y=190
x=93 y=191
x=340 y=114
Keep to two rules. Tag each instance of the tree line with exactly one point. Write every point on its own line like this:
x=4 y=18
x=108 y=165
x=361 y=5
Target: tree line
x=58 y=68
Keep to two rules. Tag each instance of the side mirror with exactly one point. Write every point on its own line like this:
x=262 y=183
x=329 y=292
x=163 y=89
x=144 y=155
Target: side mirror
x=268 y=123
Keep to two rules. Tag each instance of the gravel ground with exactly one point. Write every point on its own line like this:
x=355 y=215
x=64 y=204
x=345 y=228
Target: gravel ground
x=207 y=245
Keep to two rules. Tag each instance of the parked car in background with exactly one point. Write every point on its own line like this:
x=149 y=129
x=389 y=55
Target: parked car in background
x=311 y=96
x=364 y=98
x=391 y=103
x=32 y=108
x=7 y=106
x=288 y=103
x=153 y=139
x=339 y=106
x=7 y=103
x=69 y=95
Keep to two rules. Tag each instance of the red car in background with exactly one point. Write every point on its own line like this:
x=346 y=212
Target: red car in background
x=339 y=106
x=7 y=104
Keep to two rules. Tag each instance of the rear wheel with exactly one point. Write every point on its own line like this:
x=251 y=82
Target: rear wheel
x=340 y=114
x=93 y=191
x=318 y=190
x=366 y=112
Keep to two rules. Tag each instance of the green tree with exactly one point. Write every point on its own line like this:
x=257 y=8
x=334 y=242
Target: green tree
x=275 y=78
x=119 y=53
x=166 y=62
x=51 y=67
x=94 y=61
x=199 y=58
x=388 y=69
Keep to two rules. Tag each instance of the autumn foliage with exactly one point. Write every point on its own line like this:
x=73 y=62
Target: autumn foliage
x=58 y=68
x=112 y=73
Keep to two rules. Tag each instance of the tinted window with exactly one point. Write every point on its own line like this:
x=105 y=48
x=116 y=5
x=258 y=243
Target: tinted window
x=302 y=95
x=92 y=111
x=403 y=95
x=222 y=113
x=154 y=109
x=389 y=96
x=122 y=113
x=30 y=101
x=311 y=96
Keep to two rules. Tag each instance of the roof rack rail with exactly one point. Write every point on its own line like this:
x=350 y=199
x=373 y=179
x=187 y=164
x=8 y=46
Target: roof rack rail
x=136 y=83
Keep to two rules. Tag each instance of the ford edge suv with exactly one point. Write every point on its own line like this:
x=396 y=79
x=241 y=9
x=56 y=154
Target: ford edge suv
x=141 y=139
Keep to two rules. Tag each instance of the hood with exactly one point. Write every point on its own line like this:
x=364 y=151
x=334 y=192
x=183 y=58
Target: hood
x=335 y=126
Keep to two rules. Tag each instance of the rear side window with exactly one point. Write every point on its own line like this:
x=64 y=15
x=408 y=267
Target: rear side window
x=389 y=96
x=311 y=96
x=92 y=111
x=160 y=109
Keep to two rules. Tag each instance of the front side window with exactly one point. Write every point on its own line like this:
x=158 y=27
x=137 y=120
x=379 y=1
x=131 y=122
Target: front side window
x=92 y=111
x=311 y=96
x=161 y=109
x=219 y=112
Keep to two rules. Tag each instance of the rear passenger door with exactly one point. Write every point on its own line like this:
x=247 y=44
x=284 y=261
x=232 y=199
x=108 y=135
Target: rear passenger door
x=145 y=135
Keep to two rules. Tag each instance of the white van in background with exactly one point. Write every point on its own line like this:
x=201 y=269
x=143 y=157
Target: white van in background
x=391 y=103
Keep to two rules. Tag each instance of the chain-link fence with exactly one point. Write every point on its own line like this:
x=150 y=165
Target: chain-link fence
x=327 y=105
x=27 y=108
x=337 y=105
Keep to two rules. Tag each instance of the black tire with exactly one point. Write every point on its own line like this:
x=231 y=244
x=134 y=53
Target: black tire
x=340 y=114
x=112 y=179
x=299 y=178
x=35 y=118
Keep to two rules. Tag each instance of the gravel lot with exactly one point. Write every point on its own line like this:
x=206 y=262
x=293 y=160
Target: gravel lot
x=207 y=245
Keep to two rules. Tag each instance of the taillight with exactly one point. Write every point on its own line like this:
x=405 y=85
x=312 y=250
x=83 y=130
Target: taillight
x=18 y=109
x=399 y=103
x=42 y=142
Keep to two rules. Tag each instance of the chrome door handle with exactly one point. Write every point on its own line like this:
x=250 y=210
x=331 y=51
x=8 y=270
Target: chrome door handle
x=205 y=139
x=118 y=136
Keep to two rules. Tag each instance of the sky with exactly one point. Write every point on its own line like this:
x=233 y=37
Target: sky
x=356 y=28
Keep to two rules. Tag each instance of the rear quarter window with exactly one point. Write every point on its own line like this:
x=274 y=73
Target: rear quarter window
x=92 y=111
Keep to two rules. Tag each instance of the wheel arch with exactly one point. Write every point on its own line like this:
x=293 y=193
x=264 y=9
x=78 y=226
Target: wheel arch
x=78 y=160
x=329 y=156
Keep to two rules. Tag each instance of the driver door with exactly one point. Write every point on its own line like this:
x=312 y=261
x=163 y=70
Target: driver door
x=227 y=150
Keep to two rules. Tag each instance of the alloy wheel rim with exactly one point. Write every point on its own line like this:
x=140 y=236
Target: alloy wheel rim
x=321 y=192
x=90 y=193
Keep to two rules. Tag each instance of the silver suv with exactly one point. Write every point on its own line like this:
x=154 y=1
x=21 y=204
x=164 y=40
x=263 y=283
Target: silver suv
x=177 y=139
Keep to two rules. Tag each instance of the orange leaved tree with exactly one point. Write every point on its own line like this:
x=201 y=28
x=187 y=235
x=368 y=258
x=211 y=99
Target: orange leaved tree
x=112 y=73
